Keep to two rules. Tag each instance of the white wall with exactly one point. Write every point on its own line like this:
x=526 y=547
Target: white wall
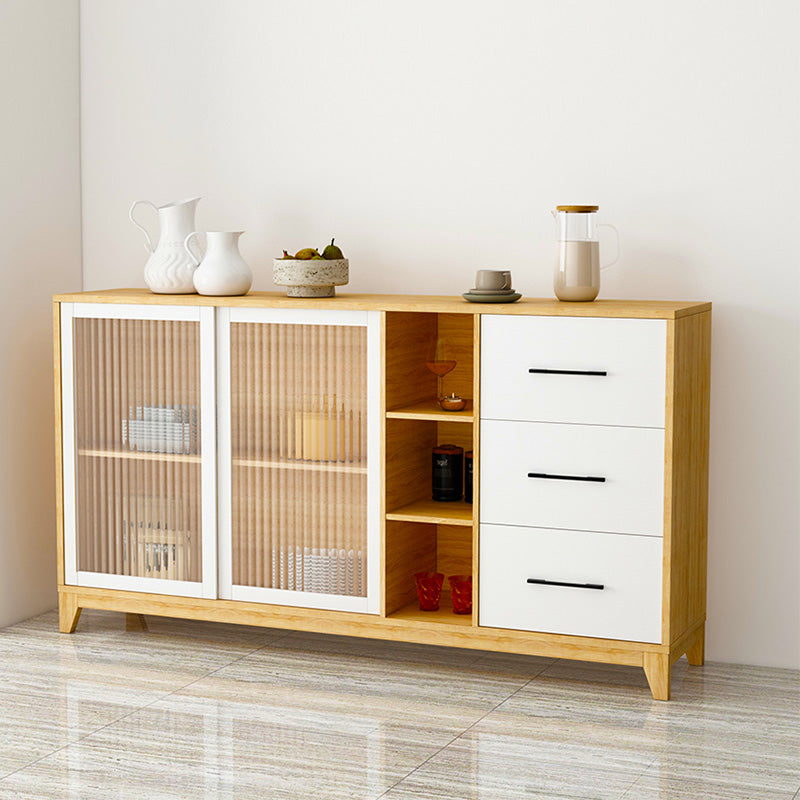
x=40 y=254
x=432 y=138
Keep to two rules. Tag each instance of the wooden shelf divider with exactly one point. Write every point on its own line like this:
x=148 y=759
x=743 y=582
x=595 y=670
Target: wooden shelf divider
x=456 y=513
x=430 y=410
x=444 y=616
x=135 y=455
x=313 y=466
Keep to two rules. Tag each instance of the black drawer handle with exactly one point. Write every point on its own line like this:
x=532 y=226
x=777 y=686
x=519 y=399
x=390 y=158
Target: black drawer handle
x=600 y=372
x=586 y=478
x=543 y=582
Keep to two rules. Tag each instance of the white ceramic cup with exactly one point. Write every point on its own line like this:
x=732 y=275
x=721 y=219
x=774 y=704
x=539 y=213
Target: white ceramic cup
x=496 y=280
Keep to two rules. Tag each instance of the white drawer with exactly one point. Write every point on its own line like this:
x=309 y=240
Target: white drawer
x=627 y=567
x=629 y=499
x=631 y=353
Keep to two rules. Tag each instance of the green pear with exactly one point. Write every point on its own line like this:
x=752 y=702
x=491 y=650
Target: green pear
x=332 y=251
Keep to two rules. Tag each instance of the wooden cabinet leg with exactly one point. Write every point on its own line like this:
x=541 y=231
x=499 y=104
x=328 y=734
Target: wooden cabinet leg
x=656 y=668
x=696 y=652
x=135 y=622
x=68 y=612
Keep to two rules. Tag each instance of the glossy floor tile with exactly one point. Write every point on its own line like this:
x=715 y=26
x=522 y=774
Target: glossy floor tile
x=202 y=710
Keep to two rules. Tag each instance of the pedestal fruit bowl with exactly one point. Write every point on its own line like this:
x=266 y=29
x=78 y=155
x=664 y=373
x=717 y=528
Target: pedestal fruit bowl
x=311 y=274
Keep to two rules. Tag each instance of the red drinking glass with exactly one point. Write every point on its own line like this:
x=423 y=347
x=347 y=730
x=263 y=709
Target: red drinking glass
x=429 y=589
x=461 y=592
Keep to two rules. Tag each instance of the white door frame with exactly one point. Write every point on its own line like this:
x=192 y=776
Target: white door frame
x=207 y=588
x=227 y=590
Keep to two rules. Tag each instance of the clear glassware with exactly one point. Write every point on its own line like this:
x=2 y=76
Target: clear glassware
x=577 y=267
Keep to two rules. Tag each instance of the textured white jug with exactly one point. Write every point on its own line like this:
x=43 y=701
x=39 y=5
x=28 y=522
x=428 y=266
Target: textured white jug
x=222 y=272
x=170 y=267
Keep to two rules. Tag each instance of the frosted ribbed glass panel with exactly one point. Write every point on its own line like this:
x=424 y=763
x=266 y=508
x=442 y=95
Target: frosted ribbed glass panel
x=137 y=400
x=299 y=471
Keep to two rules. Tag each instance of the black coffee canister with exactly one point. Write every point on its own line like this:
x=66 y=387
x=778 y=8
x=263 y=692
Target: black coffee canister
x=468 y=476
x=448 y=472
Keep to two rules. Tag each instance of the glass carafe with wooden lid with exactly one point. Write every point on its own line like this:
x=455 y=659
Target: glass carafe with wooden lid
x=577 y=270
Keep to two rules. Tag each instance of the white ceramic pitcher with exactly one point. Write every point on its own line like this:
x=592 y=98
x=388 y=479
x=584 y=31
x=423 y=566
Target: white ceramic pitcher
x=170 y=268
x=222 y=272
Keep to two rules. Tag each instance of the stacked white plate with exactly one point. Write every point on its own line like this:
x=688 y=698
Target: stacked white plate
x=324 y=570
x=161 y=429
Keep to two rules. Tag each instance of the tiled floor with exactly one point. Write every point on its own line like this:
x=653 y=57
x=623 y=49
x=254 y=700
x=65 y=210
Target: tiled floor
x=196 y=710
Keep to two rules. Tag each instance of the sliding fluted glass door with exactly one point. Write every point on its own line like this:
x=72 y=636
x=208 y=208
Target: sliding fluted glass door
x=299 y=457
x=139 y=448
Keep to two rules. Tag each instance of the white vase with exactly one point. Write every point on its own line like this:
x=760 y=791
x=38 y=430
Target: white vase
x=170 y=267
x=222 y=272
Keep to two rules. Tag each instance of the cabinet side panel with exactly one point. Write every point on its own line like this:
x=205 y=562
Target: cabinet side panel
x=688 y=413
x=59 y=454
x=382 y=504
x=476 y=461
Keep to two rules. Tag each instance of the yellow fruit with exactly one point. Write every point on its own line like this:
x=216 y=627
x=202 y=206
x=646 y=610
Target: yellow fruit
x=306 y=253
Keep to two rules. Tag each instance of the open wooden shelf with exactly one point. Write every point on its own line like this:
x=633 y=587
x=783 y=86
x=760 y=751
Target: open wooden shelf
x=456 y=513
x=444 y=616
x=135 y=455
x=318 y=466
x=429 y=409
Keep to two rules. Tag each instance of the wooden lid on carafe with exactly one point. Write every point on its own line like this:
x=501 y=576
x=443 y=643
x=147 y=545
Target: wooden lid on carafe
x=577 y=209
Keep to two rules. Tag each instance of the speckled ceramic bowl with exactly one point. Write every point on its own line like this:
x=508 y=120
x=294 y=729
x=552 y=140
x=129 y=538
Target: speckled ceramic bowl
x=312 y=278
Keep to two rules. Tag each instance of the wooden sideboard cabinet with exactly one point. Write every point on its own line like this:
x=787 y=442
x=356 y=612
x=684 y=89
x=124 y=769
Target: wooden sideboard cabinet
x=267 y=460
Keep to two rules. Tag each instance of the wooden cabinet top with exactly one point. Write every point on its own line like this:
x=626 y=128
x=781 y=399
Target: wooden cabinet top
x=641 y=309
